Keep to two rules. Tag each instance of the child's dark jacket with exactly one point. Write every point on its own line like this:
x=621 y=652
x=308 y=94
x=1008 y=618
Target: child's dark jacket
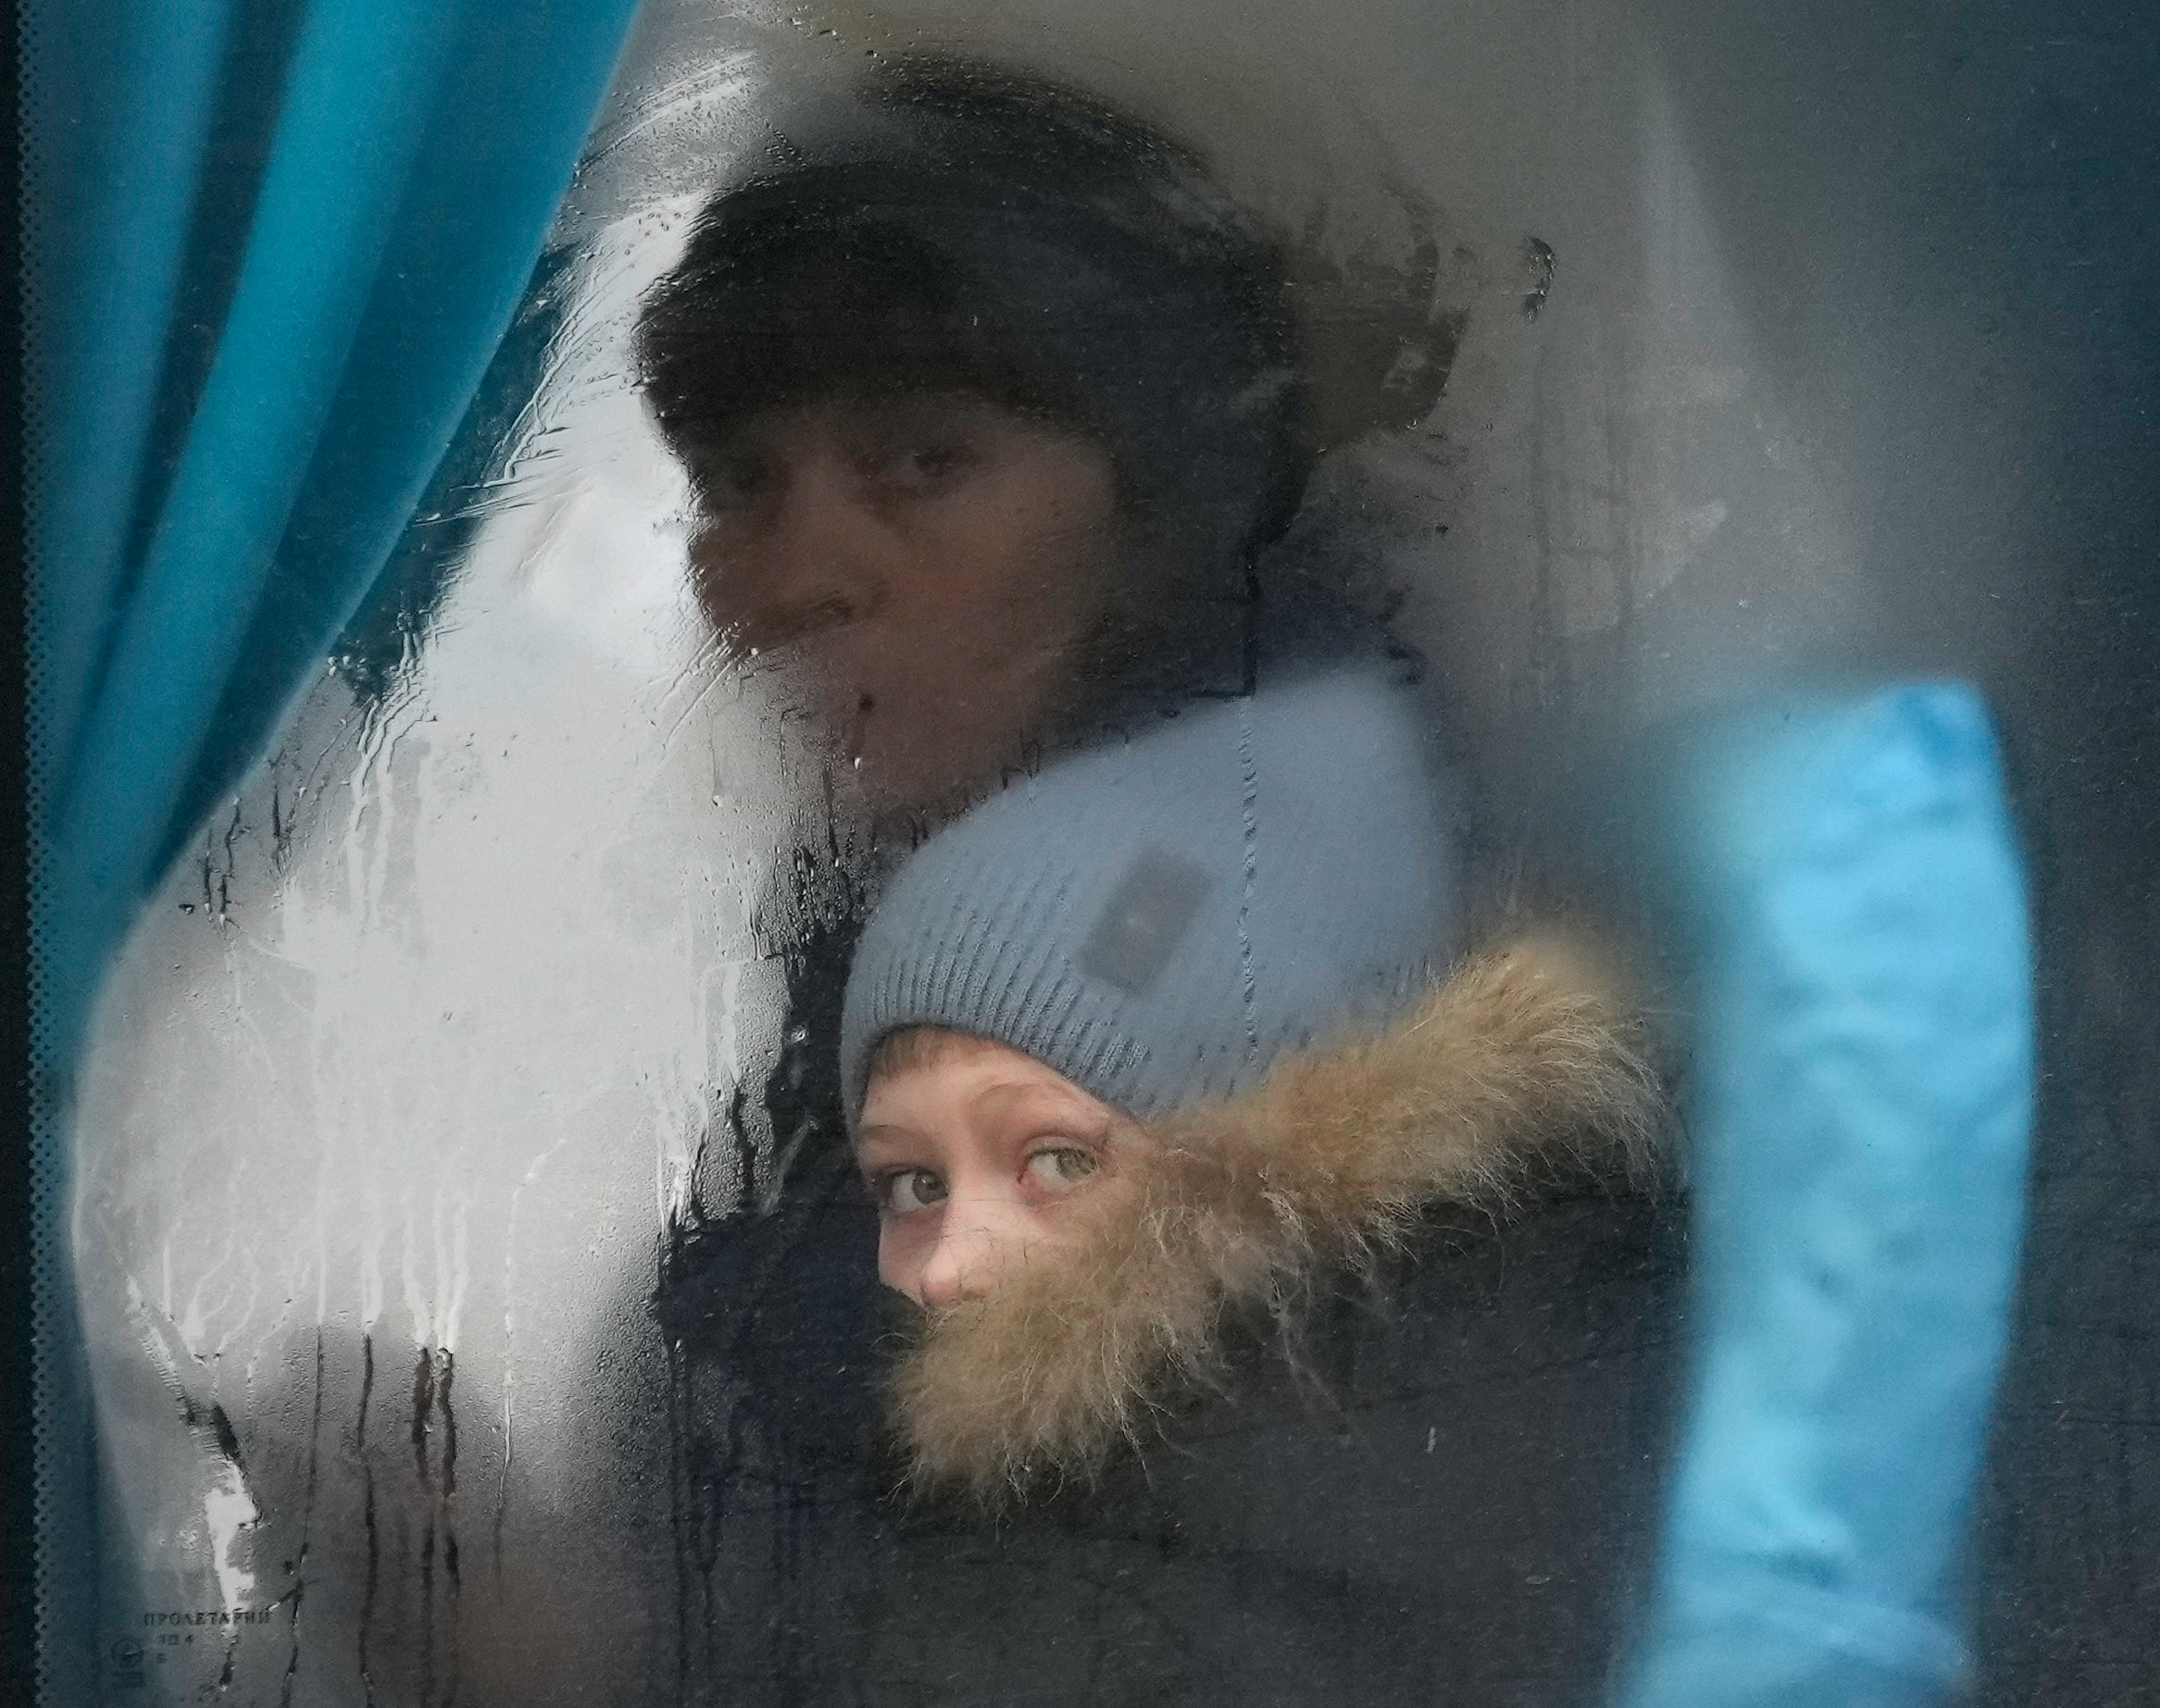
x=1445 y=1490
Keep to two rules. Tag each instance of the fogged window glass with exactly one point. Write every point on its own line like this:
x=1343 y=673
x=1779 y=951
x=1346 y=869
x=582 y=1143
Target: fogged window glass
x=955 y=996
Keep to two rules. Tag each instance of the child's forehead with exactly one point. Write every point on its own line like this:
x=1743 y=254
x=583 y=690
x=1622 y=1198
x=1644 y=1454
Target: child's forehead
x=912 y=1049
x=942 y=1064
x=906 y=1049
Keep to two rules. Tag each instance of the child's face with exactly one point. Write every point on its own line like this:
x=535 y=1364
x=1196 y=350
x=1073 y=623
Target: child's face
x=980 y=1157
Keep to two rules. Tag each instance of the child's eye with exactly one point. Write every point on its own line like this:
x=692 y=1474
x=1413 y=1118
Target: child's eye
x=906 y=1189
x=1056 y=1168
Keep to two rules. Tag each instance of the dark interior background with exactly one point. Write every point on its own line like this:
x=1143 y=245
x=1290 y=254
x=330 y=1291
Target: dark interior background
x=1976 y=187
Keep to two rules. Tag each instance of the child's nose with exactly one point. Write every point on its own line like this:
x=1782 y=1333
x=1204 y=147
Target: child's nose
x=976 y=1242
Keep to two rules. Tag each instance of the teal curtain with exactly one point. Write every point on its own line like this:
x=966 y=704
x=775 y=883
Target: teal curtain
x=271 y=246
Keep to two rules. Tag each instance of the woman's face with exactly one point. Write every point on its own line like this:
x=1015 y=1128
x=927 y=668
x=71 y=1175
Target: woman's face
x=982 y=1158
x=926 y=568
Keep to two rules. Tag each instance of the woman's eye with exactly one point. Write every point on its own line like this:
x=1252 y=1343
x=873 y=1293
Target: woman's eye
x=1060 y=1166
x=906 y=1189
x=924 y=465
x=733 y=482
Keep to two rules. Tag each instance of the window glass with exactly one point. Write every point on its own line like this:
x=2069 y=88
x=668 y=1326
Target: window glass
x=1019 y=571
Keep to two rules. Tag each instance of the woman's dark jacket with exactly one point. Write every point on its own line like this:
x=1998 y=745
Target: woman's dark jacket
x=1449 y=1495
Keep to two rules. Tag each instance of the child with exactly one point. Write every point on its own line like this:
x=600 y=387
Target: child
x=1154 y=1040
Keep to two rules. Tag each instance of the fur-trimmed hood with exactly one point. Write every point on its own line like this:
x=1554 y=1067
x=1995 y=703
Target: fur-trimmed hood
x=1519 y=1059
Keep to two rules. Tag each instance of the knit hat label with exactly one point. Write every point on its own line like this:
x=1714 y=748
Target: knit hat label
x=1132 y=941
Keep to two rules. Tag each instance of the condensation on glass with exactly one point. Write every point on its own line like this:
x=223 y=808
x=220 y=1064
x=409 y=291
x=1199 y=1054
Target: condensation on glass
x=449 y=1043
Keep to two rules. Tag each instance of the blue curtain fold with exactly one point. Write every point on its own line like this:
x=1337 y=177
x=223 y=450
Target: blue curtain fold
x=1854 y=898
x=415 y=152
x=271 y=248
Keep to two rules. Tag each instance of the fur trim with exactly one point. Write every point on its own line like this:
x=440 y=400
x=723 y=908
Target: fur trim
x=1519 y=1058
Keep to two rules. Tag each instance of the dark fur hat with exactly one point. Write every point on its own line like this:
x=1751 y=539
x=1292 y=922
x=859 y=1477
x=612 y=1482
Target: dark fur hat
x=981 y=231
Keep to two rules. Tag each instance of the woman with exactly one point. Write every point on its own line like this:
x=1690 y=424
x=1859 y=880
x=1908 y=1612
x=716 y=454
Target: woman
x=996 y=414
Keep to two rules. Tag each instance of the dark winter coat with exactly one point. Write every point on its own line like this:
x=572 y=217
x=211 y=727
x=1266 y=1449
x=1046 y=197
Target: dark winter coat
x=1444 y=1489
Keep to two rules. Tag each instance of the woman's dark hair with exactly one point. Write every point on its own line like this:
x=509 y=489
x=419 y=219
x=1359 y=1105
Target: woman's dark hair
x=993 y=233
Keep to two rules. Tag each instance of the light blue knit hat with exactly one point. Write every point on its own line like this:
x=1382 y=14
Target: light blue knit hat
x=1158 y=919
